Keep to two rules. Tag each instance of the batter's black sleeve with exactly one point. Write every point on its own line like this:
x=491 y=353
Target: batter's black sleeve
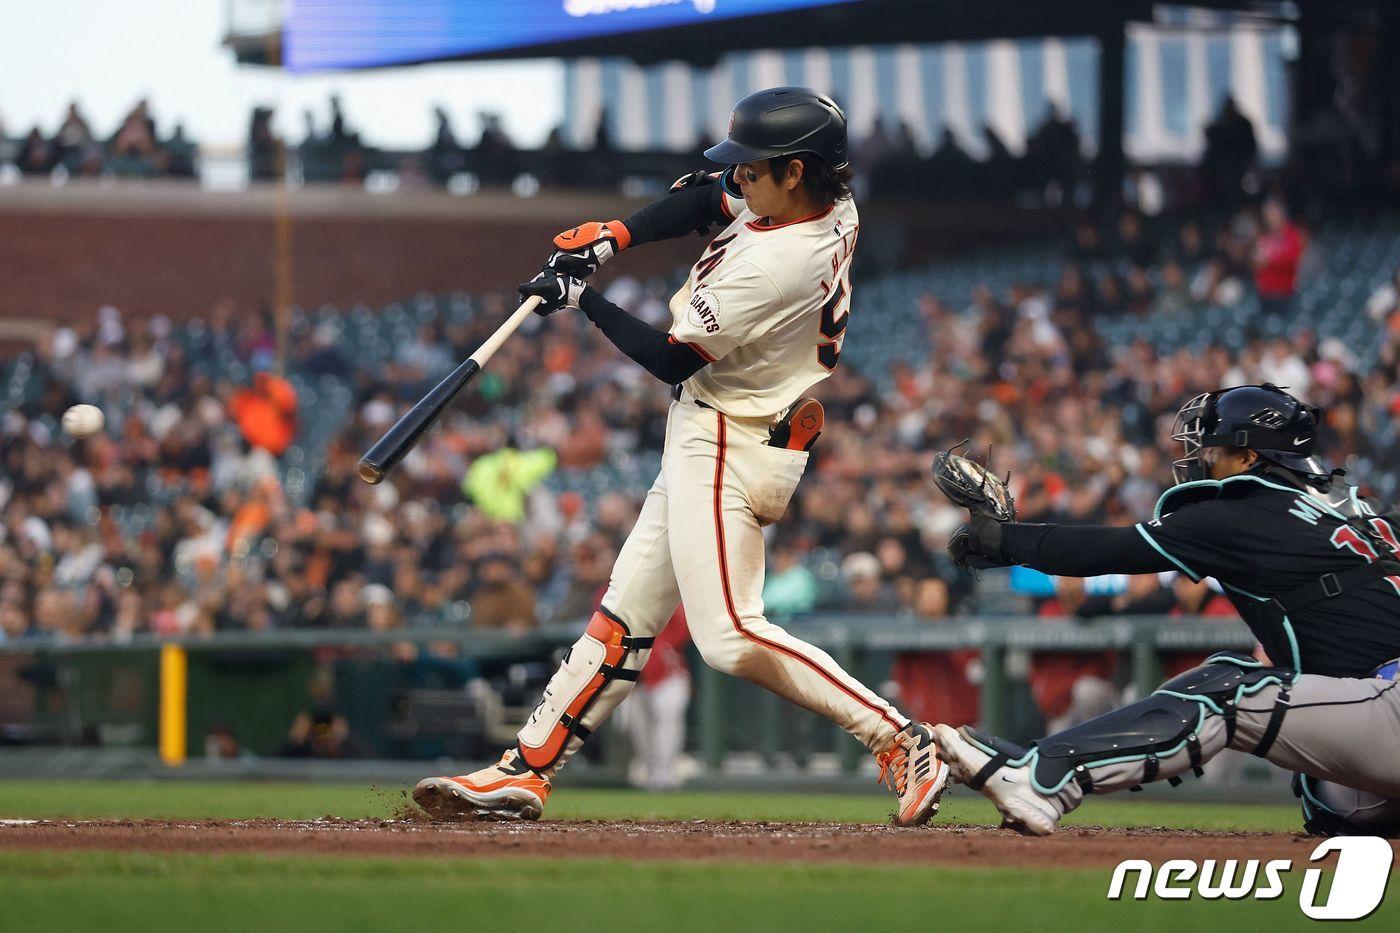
x=688 y=210
x=652 y=349
x=1081 y=550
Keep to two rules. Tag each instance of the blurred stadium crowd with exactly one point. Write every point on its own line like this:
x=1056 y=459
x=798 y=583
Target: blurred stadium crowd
x=889 y=162
x=223 y=497
x=135 y=149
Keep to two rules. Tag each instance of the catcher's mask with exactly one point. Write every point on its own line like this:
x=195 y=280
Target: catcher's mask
x=1263 y=418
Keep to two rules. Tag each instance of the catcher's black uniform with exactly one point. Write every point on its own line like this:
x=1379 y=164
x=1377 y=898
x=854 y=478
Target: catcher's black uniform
x=1313 y=573
x=1262 y=539
x=1312 y=568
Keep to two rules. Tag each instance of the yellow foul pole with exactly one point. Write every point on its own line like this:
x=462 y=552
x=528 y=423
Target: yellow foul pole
x=174 y=692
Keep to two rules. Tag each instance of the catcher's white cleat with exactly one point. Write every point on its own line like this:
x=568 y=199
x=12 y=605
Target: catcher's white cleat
x=1023 y=808
x=507 y=790
x=911 y=768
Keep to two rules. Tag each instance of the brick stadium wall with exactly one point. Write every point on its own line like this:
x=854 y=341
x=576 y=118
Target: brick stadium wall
x=63 y=261
x=174 y=249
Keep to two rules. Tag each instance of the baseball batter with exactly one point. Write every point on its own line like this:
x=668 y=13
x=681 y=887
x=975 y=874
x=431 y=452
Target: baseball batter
x=1312 y=568
x=760 y=320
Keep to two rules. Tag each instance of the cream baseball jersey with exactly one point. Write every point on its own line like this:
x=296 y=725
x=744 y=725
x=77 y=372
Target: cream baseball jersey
x=767 y=306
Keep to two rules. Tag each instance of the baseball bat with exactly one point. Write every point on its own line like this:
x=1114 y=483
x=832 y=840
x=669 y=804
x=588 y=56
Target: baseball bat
x=399 y=440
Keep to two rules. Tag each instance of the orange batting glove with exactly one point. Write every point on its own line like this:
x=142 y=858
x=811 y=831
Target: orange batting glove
x=580 y=252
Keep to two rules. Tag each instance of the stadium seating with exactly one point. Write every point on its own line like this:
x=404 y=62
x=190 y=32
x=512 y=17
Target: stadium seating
x=1350 y=259
x=1346 y=262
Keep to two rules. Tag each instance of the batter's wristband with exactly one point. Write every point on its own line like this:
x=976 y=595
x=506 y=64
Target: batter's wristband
x=620 y=233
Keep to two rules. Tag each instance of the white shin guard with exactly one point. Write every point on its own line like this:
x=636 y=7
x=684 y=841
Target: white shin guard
x=597 y=674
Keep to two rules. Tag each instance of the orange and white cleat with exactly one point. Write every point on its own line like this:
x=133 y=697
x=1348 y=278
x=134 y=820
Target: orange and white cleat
x=912 y=769
x=507 y=790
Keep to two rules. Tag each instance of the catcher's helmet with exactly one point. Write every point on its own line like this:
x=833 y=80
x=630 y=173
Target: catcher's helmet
x=784 y=121
x=1265 y=419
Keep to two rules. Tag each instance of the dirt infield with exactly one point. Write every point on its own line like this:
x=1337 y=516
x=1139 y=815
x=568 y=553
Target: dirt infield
x=1078 y=847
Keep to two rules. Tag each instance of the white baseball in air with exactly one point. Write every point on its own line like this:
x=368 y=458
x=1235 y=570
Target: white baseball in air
x=83 y=420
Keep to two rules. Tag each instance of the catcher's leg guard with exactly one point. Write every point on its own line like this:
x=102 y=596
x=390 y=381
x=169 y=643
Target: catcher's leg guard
x=1333 y=810
x=605 y=660
x=1186 y=722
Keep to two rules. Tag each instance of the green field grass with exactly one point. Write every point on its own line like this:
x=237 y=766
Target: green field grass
x=76 y=891
x=42 y=891
x=216 y=800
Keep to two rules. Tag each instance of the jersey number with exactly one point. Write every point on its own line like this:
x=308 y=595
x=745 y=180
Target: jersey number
x=833 y=328
x=714 y=255
x=1354 y=541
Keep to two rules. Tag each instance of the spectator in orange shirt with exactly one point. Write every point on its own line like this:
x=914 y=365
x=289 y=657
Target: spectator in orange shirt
x=266 y=413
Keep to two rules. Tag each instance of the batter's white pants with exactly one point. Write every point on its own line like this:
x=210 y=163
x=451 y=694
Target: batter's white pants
x=698 y=541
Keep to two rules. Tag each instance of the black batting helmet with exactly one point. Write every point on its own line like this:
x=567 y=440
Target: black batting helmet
x=1265 y=419
x=784 y=121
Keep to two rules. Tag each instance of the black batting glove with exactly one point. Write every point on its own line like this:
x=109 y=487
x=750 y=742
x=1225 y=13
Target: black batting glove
x=555 y=292
x=977 y=545
x=695 y=179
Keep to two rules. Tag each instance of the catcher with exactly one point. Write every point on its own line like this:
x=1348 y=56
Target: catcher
x=1310 y=565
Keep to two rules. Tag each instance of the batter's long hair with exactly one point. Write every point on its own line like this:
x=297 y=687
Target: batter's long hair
x=824 y=183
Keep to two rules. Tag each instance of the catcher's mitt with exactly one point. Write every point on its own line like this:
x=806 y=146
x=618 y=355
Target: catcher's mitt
x=972 y=486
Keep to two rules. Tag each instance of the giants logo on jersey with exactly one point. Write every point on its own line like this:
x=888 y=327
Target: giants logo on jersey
x=704 y=311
